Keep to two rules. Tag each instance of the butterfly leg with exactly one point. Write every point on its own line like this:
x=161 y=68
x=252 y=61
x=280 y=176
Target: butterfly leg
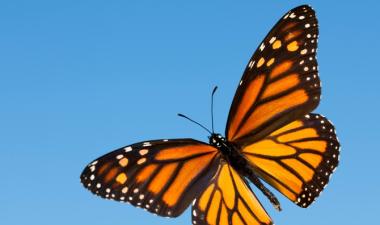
x=256 y=181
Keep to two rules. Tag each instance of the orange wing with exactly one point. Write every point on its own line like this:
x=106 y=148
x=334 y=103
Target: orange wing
x=280 y=83
x=228 y=200
x=298 y=158
x=161 y=176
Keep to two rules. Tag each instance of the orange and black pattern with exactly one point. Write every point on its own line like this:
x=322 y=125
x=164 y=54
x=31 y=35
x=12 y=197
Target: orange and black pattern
x=270 y=134
x=280 y=82
x=161 y=176
x=228 y=199
x=298 y=158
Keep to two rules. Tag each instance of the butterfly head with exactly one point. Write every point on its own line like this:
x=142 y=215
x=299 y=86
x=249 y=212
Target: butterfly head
x=217 y=140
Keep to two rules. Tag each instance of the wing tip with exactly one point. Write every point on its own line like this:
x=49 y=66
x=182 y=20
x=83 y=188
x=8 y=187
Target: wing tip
x=301 y=9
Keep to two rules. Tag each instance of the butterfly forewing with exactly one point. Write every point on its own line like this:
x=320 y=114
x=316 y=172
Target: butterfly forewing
x=280 y=82
x=228 y=200
x=298 y=158
x=162 y=176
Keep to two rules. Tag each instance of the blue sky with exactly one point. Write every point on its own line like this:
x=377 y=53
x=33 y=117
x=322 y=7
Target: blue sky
x=81 y=78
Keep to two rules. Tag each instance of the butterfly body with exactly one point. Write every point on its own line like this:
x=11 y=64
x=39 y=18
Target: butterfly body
x=271 y=135
x=232 y=154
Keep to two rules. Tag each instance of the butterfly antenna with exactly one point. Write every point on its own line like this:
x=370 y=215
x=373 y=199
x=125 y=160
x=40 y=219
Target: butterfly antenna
x=212 y=108
x=181 y=115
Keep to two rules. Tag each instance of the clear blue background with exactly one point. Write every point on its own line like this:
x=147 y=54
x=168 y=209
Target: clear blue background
x=81 y=78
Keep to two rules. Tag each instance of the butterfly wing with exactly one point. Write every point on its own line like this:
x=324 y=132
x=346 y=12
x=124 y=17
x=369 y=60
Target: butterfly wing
x=298 y=158
x=161 y=176
x=228 y=200
x=280 y=83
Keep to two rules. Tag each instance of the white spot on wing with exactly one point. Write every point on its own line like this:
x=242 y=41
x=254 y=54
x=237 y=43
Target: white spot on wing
x=146 y=144
x=251 y=63
x=262 y=46
x=272 y=40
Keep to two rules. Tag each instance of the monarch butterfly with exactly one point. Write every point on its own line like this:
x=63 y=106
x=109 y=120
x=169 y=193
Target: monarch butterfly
x=271 y=135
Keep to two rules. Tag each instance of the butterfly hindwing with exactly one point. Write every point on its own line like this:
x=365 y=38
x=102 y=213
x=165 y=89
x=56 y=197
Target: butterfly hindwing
x=298 y=158
x=228 y=200
x=162 y=176
x=280 y=82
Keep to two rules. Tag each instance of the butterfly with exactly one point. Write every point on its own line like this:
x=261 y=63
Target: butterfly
x=271 y=135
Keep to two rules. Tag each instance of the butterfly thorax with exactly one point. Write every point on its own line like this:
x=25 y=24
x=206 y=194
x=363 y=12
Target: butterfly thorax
x=230 y=152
